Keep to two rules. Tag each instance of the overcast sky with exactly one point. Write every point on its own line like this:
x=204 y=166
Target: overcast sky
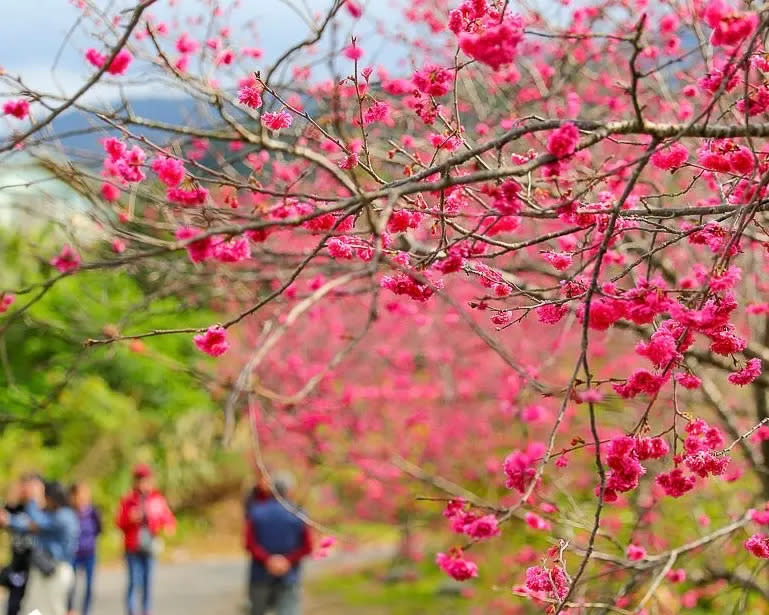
x=32 y=32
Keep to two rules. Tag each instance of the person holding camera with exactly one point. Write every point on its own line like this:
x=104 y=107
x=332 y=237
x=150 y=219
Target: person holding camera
x=55 y=529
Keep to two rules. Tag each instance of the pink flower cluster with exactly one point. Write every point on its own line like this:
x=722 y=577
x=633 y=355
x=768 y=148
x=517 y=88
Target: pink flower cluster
x=6 y=301
x=550 y=581
x=676 y=575
x=378 y=112
x=725 y=156
x=563 y=141
x=188 y=197
x=350 y=161
x=404 y=284
x=705 y=463
x=712 y=81
x=760 y=516
x=504 y=198
x=433 y=80
x=492 y=279
x=662 y=347
x=714 y=236
x=520 y=466
x=623 y=459
x=169 y=170
x=484 y=34
x=701 y=442
x=198 y=251
x=250 y=96
x=119 y=64
x=560 y=260
x=670 y=158
x=756 y=103
x=213 y=341
x=324 y=547
x=747 y=374
x=233 y=250
x=403 y=220
x=640 y=381
x=635 y=552
x=123 y=163
x=17 y=108
x=535 y=522
x=702 y=437
x=277 y=121
x=675 y=483
x=185 y=44
x=348 y=247
x=456 y=565
x=729 y=27
x=496 y=43
x=464 y=521
x=551 y=313
x=758 y=545
x=67 y=261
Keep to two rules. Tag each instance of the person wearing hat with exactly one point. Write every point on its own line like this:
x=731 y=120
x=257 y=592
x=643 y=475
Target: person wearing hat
x=56 y=529
x=142 y=515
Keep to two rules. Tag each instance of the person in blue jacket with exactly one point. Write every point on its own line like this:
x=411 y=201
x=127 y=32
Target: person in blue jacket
x=278 y=543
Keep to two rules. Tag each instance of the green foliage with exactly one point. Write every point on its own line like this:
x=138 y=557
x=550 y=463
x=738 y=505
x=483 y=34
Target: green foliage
x=79 y=412
x=370 y=591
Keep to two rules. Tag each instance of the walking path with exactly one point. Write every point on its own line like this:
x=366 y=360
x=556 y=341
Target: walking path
x=214 y=587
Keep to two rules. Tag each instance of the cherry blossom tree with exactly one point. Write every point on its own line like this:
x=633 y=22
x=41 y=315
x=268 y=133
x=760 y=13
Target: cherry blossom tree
x=519 y=264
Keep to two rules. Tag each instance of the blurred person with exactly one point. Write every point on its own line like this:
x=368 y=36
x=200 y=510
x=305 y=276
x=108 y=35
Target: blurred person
x=142 y=515
x=85 y=556
x=279 y=541
x=56 y=529
x=258 y=493
x=14 y=575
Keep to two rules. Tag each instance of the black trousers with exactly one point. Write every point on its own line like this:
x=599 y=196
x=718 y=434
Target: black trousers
x=15 y=596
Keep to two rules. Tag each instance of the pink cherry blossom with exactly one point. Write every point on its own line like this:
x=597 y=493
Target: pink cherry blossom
x=747 y=374
x=67 y=261
x=6 y=301
x=169 y=170
x=16 y=108
x=277 y=121
x=456 y=565
x=563 y=141
x=213 y=341
x=250 y=96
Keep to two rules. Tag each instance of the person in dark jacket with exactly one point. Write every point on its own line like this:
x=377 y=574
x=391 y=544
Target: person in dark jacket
x=279 y=541
x=55 y=529
x=14 y=575
x=85 y=556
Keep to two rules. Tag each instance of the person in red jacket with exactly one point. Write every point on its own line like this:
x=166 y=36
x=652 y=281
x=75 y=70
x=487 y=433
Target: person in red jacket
x=143 y=514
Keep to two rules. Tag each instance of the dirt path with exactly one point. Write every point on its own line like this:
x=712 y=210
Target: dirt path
x=214 y=587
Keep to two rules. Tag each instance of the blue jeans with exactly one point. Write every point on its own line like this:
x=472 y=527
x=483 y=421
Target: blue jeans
x=139 y=575
x=86 y=563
